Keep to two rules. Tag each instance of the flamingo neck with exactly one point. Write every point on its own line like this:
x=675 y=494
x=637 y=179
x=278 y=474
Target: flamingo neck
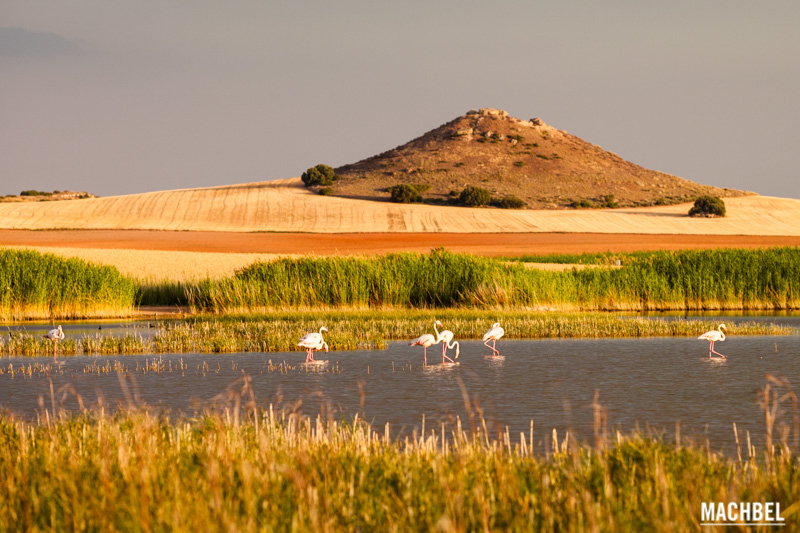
x=438 y=335
x=320 y=330
x=720 y=332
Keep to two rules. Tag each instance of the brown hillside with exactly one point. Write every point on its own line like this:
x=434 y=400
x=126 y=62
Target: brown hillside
x=545 y=167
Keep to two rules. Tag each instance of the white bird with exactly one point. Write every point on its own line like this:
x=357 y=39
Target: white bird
x=493 y=335
x=313 y=341
x=445 y=338
x=713 y=336
x=55 y=335
x=427 y=340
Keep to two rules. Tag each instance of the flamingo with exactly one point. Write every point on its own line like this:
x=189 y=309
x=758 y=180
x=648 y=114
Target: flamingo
x=445 y=338
x=713 y=336
x=313 y=341
x=55 y=335
x=427 y=340
x=493 y=335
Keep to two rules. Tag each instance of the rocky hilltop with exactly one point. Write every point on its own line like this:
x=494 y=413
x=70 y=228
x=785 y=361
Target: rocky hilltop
x=545 y=167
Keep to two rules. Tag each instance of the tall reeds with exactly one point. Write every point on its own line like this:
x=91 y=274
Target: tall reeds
x=703 y=279
x=34 y=285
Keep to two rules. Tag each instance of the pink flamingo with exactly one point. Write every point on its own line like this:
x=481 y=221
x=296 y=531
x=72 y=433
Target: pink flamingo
x=313 y=341
x=713 y=336
x=493 y=335
x=445 y=338
x=55 y=335
x=427 y=340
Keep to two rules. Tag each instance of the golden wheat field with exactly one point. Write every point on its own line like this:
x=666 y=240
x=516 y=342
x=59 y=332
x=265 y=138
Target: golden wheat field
x=161 y=265
x=286 y=206
x=166 y=265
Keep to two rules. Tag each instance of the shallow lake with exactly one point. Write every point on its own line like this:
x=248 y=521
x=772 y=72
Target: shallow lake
x=651 y=382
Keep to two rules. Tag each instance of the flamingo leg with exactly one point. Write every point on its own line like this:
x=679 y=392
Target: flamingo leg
x=711 y=350
x=425 y=355
x=444 y=353
x=492 y=347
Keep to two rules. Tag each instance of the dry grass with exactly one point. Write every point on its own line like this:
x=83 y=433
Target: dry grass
x=286 y=206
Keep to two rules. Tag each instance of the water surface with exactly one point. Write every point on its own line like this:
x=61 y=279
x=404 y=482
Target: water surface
x=650 y=382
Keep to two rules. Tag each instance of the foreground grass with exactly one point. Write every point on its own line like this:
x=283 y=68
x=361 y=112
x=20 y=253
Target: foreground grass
x=366 y=329
x=260 y=470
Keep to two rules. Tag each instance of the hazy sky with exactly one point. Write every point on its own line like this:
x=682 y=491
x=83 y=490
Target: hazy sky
x=124 y=97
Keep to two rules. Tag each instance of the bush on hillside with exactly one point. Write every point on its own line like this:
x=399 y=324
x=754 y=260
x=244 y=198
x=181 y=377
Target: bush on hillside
x=474 y=197
x=578 y=204
x=708 y=206
x=608 y=201
x=404 y=193
x=319 y=175
x=509 y=202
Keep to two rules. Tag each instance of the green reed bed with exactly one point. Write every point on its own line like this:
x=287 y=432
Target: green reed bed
x=365 y=329
x=704 y=279
x=254 y=469
x=34 y=285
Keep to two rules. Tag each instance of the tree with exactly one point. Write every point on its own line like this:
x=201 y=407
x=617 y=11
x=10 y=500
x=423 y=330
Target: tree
x=405 y=194
x=319 y=175
x=474 y=196
x=708 y=206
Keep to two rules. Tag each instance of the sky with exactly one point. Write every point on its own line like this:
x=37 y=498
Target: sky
x=125 y=97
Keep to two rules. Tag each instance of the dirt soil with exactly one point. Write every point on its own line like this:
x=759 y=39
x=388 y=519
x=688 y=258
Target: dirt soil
x=498 y=244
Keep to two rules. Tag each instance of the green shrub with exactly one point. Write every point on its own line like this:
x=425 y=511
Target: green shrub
x=519 y=163
x=474 y=197
x=319 y=175
x=510 y=202
x=578 y=204
x=326 y=191
x=404 y=194
x=607 y=200
x=33 y=192
x=708 y=206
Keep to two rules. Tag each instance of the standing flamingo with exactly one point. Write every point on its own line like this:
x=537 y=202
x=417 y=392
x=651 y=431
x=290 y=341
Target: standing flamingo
x=445 y=338
x=313 y=341
x=55 y=335
x=713 y=336
x=427 y=340
x=493 y=335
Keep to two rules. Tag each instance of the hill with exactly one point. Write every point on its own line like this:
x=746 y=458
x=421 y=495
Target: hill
x=547 y=168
